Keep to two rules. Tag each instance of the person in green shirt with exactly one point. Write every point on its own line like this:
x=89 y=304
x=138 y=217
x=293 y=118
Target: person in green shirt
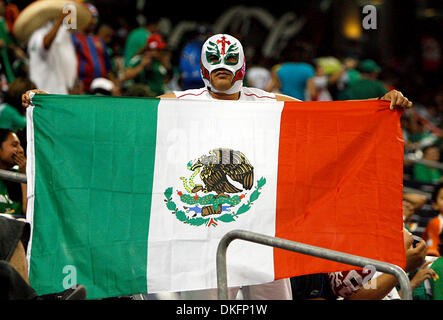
x=12 y=114
x=136 y=40
x=10 y=52
x=424 y=173
x=437 y=266
x=152 y=67
x=431 y=287
x=12 y=201
x=10 y=118
x=5 y=42
x=367 y=86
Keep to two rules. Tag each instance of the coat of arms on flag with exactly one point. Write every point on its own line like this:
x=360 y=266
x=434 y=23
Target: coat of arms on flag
x=226 y=190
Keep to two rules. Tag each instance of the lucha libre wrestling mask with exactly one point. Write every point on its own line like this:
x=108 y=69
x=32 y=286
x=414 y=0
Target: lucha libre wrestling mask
x=223 y=51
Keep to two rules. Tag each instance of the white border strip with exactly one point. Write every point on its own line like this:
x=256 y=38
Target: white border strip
x=30 y=174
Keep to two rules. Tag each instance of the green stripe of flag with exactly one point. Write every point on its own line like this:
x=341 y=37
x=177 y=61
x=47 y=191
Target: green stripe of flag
x=89 y=148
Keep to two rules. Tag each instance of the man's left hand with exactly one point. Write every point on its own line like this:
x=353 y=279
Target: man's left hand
x=397 y=99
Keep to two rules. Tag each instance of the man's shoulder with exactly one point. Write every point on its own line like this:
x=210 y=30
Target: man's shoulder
x=170 y=95
x=256 y=94
x=191 y=93
x=259 y=93
x=185 y=94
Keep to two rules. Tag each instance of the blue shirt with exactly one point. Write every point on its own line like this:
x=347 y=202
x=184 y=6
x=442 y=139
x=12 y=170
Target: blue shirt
x=189 y=65
x=92 y=57
x=293 y=78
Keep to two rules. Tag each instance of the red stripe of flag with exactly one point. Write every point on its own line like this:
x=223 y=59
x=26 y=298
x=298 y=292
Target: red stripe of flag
x=340 y=184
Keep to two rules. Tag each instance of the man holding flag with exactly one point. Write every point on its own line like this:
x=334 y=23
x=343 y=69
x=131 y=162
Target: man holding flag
x=223 y=69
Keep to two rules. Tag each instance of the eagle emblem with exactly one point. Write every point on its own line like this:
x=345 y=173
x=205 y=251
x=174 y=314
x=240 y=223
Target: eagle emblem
x=225 y=189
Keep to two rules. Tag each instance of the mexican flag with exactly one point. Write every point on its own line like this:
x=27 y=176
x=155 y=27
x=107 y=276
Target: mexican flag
x=132 y=195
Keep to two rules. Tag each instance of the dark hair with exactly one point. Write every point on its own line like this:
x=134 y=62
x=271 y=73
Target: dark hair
x=13 y=96
x=430 y=147
x=4 y=133
x=437 y=189
x=14 y=189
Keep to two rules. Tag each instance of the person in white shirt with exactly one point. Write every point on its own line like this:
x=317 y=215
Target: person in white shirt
x=258 y=77
x=52 y=59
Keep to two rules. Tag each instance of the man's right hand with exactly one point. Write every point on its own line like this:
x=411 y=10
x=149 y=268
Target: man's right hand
x=26 y=99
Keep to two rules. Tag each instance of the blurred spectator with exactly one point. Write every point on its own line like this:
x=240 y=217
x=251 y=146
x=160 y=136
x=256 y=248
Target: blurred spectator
x=421 y=275
x=12 y=200
x=14 y=237
x=136 y=40
x=138 y=90
x=356 y=285
x=52 y=59
x=7 y=43
x=436 y=283
x=350 y=75
x=105 y=87
x=106 y=33
x=427 y=174
x=369 y=284
x=11 y=14
x=152 y=67
x=290 y=78
x=439 y=108
x=189 y=64
x=368 y=86
x=12 y=114
x=326 y=76
x=312 y=287
x=258 y=76
x=92 y=53
x=415 y=134
x=435 y=225
x=14 y=281
x=411 y=203
x=318 y=86
x=420 y=281
x=381 y=285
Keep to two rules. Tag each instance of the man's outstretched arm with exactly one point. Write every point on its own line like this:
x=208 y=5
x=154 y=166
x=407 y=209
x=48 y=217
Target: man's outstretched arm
x=395 y=97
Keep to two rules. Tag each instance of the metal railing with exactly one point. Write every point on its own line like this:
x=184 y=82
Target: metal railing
x=414 y=159
x=12 y=176
x=222 y=286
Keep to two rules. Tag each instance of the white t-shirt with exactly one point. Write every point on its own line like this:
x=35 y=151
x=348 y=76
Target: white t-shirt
x=53 y=70
x=258 y=77
x=246 y=94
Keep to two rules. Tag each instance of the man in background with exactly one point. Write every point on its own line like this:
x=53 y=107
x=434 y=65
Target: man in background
x=368 y=86
x=92 y=53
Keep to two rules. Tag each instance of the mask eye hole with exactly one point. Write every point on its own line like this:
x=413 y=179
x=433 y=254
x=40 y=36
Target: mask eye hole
x=213 y=59
x=231 y=59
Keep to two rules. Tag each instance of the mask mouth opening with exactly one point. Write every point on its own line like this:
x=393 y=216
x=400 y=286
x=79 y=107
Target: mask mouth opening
x=222 y=71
